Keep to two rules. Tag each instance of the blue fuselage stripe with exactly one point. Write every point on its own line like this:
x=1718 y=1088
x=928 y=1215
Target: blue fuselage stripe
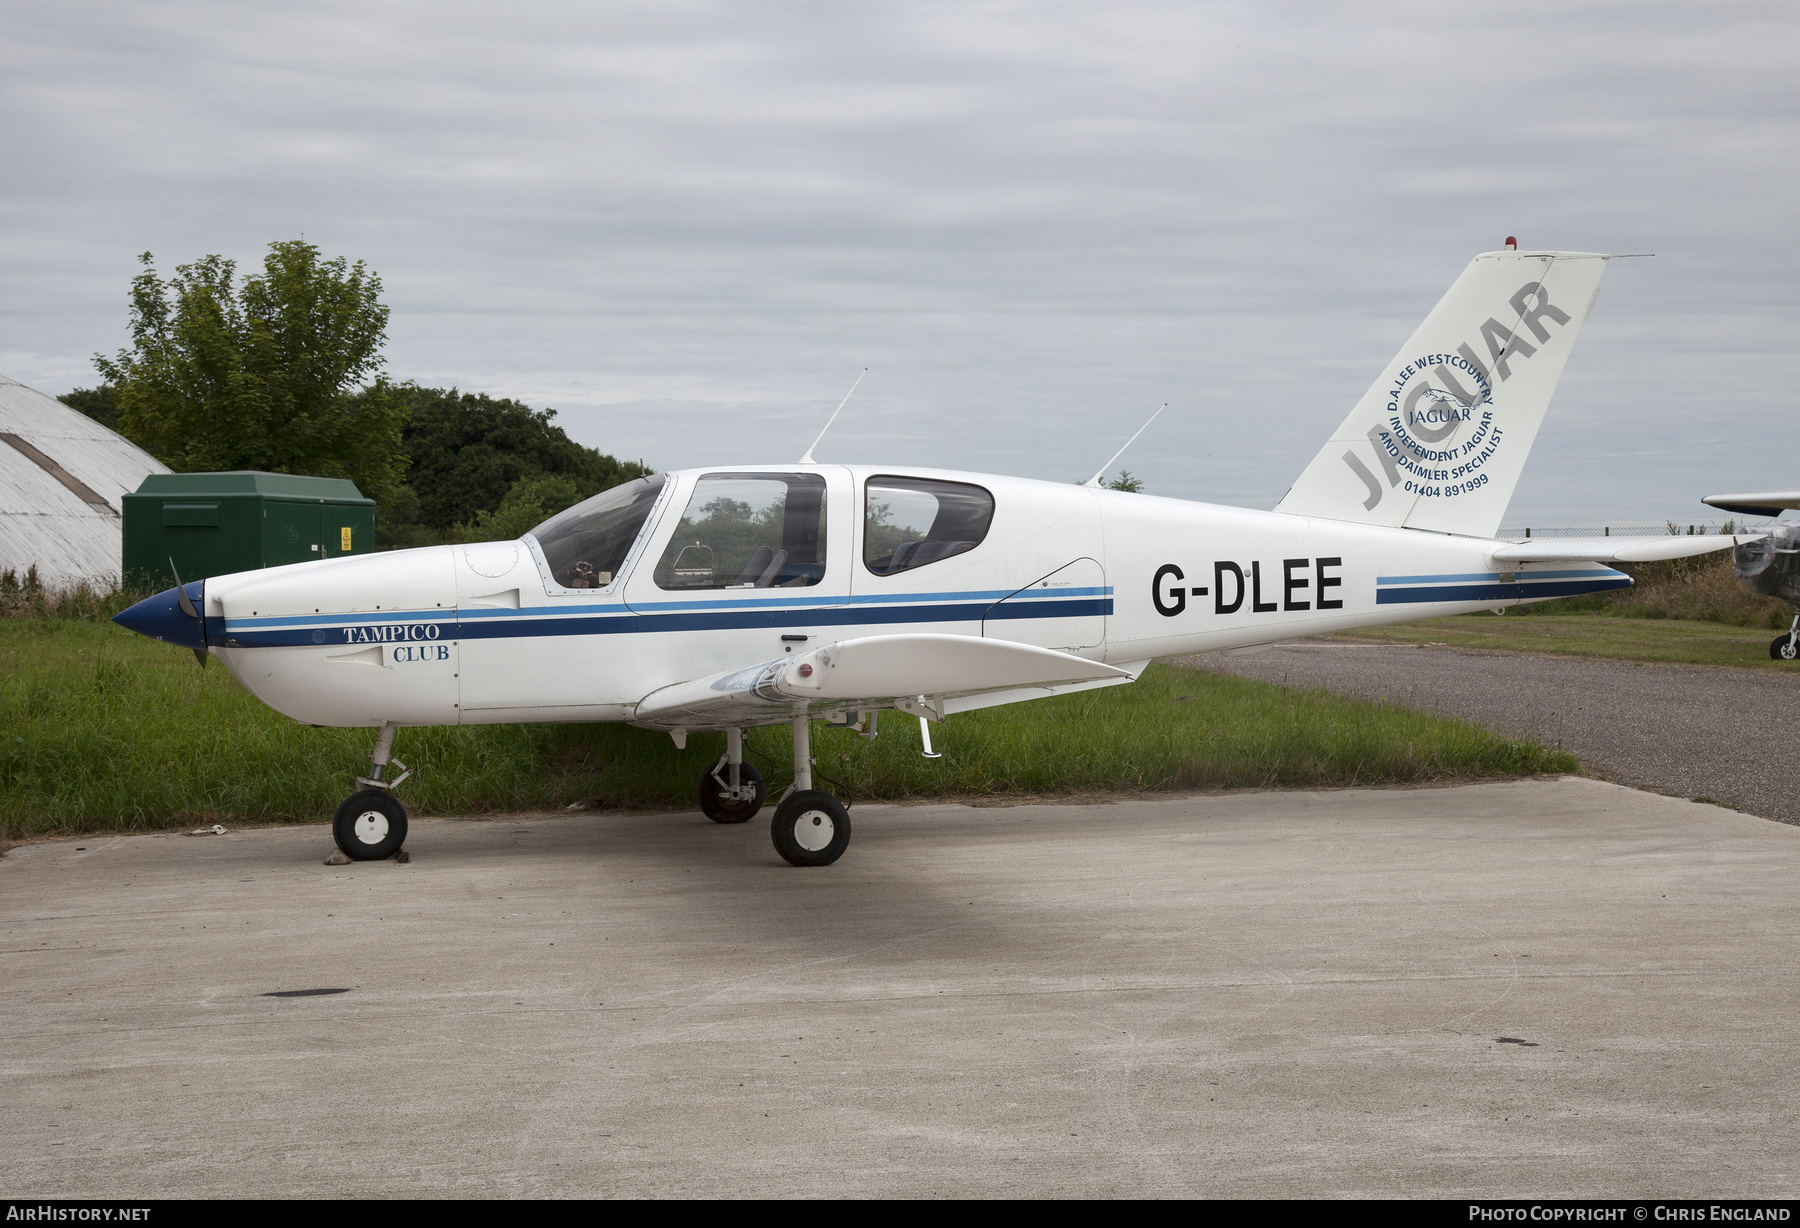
x=625 y=622
x=1496 y=592
x=1493 y=577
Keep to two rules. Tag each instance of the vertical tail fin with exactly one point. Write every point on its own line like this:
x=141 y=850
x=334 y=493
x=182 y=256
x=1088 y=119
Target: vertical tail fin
x=1440 y=439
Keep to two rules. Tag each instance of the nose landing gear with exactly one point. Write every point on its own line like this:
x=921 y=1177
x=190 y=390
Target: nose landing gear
x=371 y=823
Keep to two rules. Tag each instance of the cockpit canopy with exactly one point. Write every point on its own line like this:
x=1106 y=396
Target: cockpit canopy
x=761 y=529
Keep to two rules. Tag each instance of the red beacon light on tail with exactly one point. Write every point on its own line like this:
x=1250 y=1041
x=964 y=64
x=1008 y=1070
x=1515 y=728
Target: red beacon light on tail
x=1512 y=244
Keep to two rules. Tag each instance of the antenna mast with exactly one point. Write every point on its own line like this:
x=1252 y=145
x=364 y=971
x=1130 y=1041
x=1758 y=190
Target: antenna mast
x=808 y=459
x=1095 y=480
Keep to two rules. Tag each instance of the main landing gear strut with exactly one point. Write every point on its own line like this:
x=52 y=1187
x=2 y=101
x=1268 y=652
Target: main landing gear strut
x=370 y=823
x=810 y=828
x=731 y=791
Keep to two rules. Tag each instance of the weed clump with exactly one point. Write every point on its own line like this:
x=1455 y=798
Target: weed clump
x=28 y=596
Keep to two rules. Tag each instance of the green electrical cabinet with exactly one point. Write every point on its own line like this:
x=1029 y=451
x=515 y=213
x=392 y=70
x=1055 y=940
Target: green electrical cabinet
x=213 y=524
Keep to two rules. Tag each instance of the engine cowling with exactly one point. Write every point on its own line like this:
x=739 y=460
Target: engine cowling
x=1771 y=565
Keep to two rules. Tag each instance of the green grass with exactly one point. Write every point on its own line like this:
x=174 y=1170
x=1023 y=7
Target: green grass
x=104 y=730
x=1591 y=635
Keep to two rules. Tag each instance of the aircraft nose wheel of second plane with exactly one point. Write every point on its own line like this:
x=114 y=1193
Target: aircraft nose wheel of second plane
x=1783 y=648
x=370 y=825
x=811 y=828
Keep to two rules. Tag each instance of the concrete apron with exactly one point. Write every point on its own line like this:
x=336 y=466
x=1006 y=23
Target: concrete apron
x=1251 y=994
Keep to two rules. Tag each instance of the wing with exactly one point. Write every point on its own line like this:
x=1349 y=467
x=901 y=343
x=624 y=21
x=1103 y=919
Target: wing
x=1759 y=503
x=934 y=674
x=1615 y=549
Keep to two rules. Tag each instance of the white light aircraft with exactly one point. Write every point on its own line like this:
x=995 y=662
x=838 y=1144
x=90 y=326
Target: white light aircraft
x=709 y=601
x=1770 y=565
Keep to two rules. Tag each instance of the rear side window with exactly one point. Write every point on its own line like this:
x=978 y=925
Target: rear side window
x=748 y=530
x=586 y=545
x=909 y=522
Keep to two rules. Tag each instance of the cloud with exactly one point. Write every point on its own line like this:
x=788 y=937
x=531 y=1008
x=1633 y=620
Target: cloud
x=688 y=226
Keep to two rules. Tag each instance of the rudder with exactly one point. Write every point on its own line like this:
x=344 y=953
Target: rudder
x=1439 y=441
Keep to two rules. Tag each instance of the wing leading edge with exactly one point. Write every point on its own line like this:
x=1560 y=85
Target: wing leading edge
x=930 y=674
x=1756 y=503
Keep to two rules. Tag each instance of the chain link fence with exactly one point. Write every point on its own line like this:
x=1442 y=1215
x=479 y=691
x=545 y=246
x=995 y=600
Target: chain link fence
x=1666 y=528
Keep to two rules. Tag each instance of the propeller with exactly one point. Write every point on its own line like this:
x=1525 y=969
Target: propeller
x=187 y=607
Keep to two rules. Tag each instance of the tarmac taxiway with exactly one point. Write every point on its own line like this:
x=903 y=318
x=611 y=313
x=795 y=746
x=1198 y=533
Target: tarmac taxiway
x=1545 y=987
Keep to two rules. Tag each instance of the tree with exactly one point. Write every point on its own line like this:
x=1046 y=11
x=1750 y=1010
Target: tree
x=262 y=375
x=101 y=404
x=468 y=451
x=1124 y=482
x=528 y=504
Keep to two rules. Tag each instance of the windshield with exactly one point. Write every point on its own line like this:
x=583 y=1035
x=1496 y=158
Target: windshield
x=586 y=546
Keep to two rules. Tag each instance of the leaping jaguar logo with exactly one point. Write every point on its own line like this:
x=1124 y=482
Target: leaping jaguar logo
x=1435 y=425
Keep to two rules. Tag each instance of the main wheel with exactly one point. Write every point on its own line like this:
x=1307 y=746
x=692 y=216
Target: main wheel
x=722 y=809
x=1782 y=648
x=370 y=825
x=811 y=829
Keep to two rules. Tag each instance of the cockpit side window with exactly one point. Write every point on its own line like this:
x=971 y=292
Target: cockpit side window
x=587 y=545
x=910 y=522
x=748 y=530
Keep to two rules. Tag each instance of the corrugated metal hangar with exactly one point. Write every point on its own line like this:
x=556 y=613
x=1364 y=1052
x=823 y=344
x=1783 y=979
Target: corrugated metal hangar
x=63 y=481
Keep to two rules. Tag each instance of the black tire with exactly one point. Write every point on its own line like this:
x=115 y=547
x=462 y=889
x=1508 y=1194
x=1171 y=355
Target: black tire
x=719 y=810
x=1782 y=650
x=810 y=829
x=370 y=825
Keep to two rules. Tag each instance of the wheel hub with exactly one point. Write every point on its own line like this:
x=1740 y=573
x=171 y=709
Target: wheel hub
x=371 y=827
x=814 y=830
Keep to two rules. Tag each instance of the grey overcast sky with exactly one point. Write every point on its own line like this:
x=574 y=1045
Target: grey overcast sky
x=687 y=226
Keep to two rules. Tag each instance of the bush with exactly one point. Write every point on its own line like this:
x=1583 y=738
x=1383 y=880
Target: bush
x=1702 y=589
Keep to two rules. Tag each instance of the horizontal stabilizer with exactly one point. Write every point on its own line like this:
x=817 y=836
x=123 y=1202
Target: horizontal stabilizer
x=871 y=672
x=1616 y=549
x=1757 y=503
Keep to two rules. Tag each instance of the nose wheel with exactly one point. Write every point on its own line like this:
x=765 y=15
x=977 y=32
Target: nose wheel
x=369 y=825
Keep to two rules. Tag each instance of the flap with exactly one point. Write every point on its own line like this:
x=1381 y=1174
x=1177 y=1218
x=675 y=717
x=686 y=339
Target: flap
x=993 y=699
x=875 y=671
x=1616 y=549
